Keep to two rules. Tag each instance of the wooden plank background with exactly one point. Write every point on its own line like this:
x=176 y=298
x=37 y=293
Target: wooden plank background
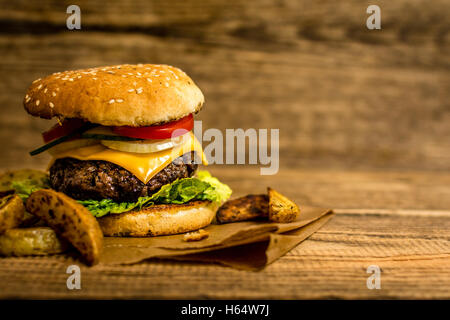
x=343 y=96
x=345 y=189
x=364 y=129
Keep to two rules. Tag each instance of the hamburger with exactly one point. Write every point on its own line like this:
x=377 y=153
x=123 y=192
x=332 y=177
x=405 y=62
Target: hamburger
x=123 y=147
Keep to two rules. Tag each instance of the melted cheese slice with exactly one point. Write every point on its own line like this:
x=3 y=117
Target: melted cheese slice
x=143 y=166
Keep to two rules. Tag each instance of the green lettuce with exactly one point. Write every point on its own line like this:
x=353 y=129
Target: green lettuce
x=202 y=187
x=24 y=188
x=220 y=191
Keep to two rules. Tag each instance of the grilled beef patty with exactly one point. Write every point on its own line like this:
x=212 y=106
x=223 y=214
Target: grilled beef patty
x=97 y=180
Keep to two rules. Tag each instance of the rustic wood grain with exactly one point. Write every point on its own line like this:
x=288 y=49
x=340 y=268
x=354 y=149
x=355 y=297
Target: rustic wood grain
x=412 y=251
x=339 y=189
x=363 y=118
x=343 y=96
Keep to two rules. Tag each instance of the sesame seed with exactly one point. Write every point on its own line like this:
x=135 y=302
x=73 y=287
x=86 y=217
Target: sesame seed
x=51 y=104
x=176 y=77
x=140 y=74
x=149 y=80
x=111 y=101
x=37 y=102
x=112 y=72
x=124 y=76
x=37 y=80
x=39 y=87
x=94 y=78
x=166 y=84
x=70 y=79
x=167 y=78
x=45 y=90
x=139 y=90
x=26 y=96
x=130 y=90
x=156 y=75
x=54 y=93
x=28 y=99
x=119 y=100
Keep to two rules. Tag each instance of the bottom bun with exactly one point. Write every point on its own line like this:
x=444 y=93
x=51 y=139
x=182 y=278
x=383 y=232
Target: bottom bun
x=159 y=220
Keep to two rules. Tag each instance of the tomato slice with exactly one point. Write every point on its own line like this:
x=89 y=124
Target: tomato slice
x=164 y=131
x=60 y=130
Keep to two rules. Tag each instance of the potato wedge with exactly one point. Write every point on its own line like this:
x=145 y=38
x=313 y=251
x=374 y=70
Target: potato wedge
x=197 y=235
x=30 y=220
x=6 y=193
x=12 y=212
x=70 y=220
x=23 y=177
x=244 y=208
x=281 y=209
x=31 y=242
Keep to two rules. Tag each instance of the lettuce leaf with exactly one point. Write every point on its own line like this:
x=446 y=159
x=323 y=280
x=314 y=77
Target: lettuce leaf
x=24 y=188
x=202 y=187
x=220 y=191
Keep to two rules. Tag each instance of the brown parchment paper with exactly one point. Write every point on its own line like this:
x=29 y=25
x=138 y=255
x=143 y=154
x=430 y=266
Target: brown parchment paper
x=244 y=245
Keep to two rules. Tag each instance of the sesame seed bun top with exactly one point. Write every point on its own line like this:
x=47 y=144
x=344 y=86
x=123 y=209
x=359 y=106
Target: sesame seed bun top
x=122 y=95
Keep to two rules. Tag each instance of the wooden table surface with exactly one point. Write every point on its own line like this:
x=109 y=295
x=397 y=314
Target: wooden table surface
x=363 y=118
x=404 y=228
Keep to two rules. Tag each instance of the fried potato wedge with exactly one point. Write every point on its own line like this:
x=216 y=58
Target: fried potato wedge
x=197 y=235
x=31 y=242
x=244 y=208
x=35 y=177
x=22 y=177
x=281 y=209
x=30 y=220
x=70 y=220
x=12 y=212
x=6 y=193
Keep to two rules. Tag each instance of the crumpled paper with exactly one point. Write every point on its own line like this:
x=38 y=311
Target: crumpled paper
x=249 y=245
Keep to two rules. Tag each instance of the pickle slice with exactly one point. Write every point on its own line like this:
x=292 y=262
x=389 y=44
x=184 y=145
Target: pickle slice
x=31 y=242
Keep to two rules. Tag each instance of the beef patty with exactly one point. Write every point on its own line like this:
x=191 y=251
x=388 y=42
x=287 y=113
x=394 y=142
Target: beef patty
x=96 y=179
